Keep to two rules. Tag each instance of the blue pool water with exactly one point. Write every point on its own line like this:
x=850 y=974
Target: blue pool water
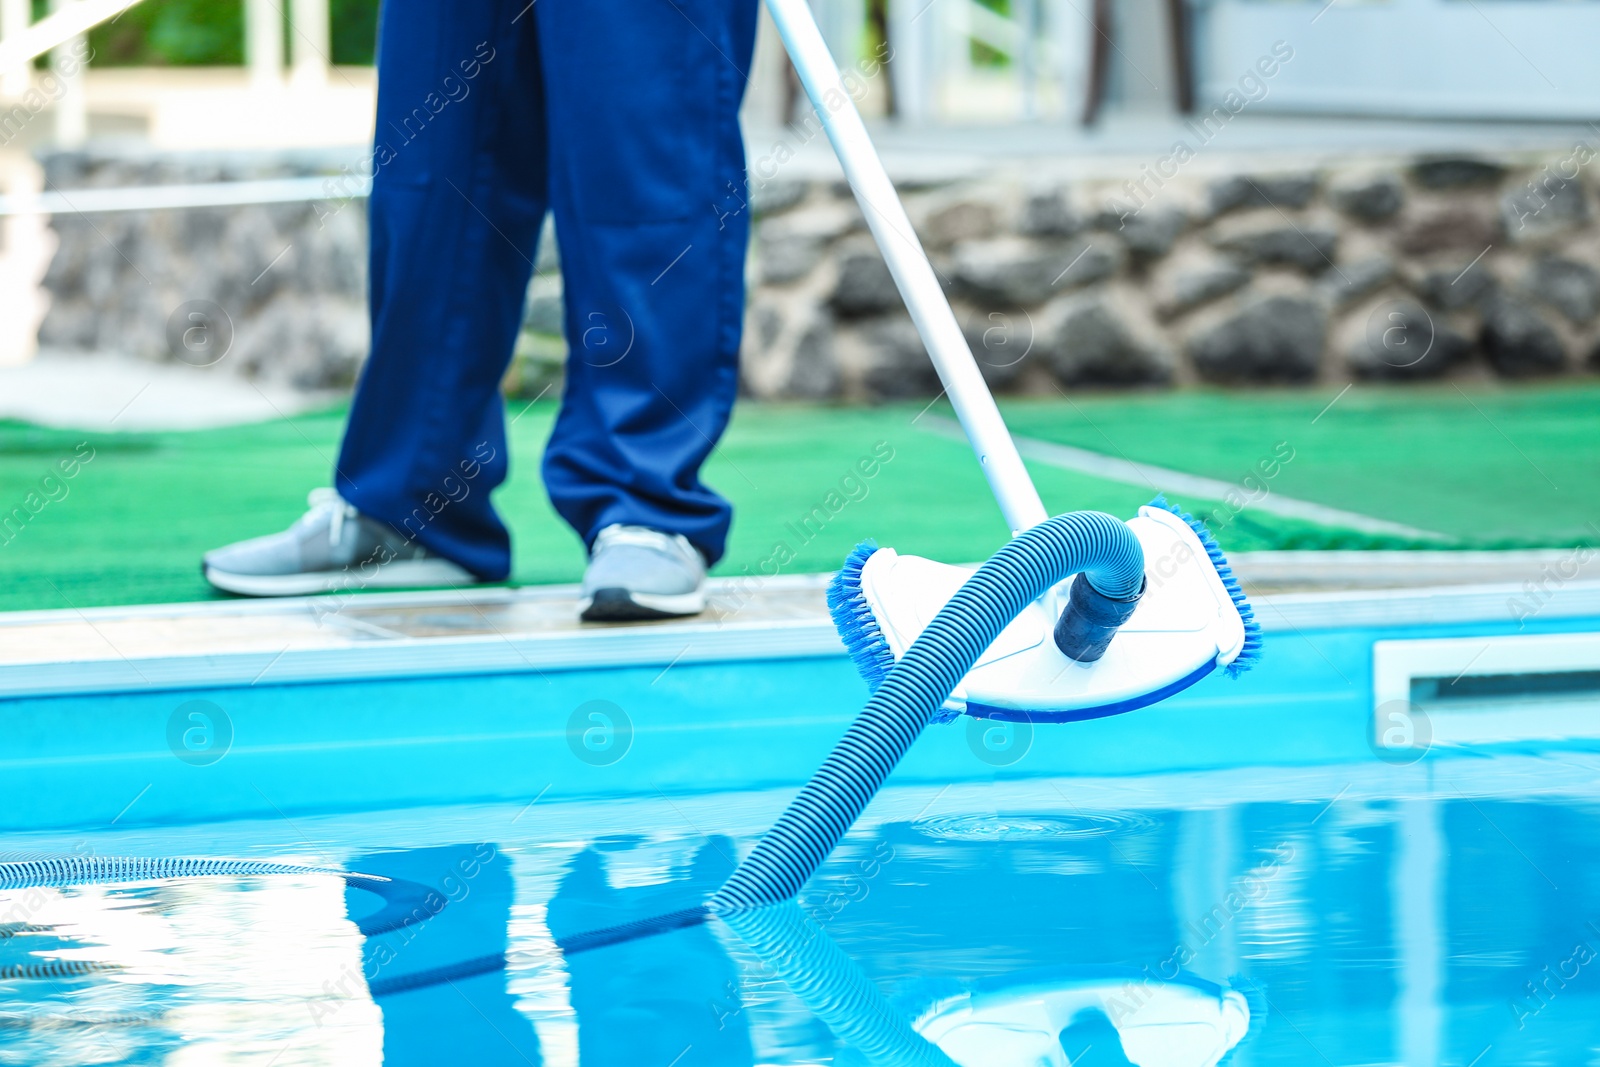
x=1446 y=912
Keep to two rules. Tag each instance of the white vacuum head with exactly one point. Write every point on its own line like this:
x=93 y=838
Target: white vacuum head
x=1191 y=619
x=1045 y=1023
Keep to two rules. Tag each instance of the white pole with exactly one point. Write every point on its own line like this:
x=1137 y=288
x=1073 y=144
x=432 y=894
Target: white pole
x=1070 y=31
x=913 y=274
x=263 y=36
x=310 y=41
x=67 y=62
x=14 y=18
x=914 y=37
x=1026 y=59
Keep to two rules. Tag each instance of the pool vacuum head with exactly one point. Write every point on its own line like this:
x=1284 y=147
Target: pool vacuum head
x=1072 y=654
x=1051 y=1019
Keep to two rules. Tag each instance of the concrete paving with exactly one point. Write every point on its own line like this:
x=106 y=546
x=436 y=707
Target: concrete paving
x=107 y=393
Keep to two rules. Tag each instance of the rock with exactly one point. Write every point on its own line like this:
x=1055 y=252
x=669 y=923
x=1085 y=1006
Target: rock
x=790 y=352
x=891 y=360
x=1355 y=280
x=1150 y=234
x=1082 y=266
x=1370 y=199
x=1310 y=248
x=865 y=285
x=1540 y=208
x=788 y=259
x=1200 y=285
x=1518 y=343
x=774 y=196
x=1467 y=285
x=1464 y=226
x=1048 y=213
x=1273 y=339
x=1455 y=172
x=1090 y=344
x=826 y=221
x=544 y=312
x=548 y=259
x=1402 y=342
x=964 y=220
x=813 y=372
x=1571 y=288
x=538 y=368
x=1241 y=191
x=1016 y=272
x=1004 y=344
x=305 y=341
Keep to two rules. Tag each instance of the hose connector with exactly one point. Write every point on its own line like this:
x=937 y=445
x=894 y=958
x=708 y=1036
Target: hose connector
x=1090 y=620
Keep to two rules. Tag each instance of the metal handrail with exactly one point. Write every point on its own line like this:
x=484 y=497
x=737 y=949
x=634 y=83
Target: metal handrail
x=56 y=29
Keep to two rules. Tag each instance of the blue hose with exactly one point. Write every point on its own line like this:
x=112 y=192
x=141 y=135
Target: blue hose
x=834 y=987
x=404 y=902
x=1099 y=546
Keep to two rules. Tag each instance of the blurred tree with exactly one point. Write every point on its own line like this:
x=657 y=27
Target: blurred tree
x=982 y=54
x=355 y=31
x=172 y=33
x=181 y=33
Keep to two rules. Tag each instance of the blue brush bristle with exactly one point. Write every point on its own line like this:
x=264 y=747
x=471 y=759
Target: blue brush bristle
x=853 y=618
x=1250 y=653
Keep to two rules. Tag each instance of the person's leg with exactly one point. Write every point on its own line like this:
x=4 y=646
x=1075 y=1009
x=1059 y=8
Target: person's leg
x=647 y=186
x=459 y=192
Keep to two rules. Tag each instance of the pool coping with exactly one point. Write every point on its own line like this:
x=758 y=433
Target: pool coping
x=391 y=635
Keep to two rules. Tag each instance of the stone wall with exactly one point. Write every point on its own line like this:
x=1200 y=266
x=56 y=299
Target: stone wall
x=1404 y=270
x=1430 y=268
x=280 y=288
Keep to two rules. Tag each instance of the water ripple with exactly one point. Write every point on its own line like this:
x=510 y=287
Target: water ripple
x=1012 y=826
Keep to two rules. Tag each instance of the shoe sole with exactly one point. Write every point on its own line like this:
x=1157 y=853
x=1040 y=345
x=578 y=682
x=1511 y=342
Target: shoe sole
x=623 y=605
x=397 y=575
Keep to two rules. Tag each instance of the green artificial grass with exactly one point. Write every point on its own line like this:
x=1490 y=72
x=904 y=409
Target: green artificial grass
x=1494 y=466
x=130 y=526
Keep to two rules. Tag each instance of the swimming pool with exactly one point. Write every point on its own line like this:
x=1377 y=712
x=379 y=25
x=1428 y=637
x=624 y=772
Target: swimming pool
x=1242 y=872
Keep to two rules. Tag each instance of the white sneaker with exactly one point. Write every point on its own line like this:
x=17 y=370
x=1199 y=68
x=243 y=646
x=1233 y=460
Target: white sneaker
x=638 y=573
x=331 y=547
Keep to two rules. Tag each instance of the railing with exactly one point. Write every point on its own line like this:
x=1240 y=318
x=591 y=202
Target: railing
x=22 y=41
x=1042 y=48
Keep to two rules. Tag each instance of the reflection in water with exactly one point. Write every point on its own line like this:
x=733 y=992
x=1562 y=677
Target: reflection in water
x=831 y=984
x=1065 y=1018
x=1090 y=1040
x=1428 y=928
x=1054 y=1019
x=672 y=1000
x=456 y=1016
